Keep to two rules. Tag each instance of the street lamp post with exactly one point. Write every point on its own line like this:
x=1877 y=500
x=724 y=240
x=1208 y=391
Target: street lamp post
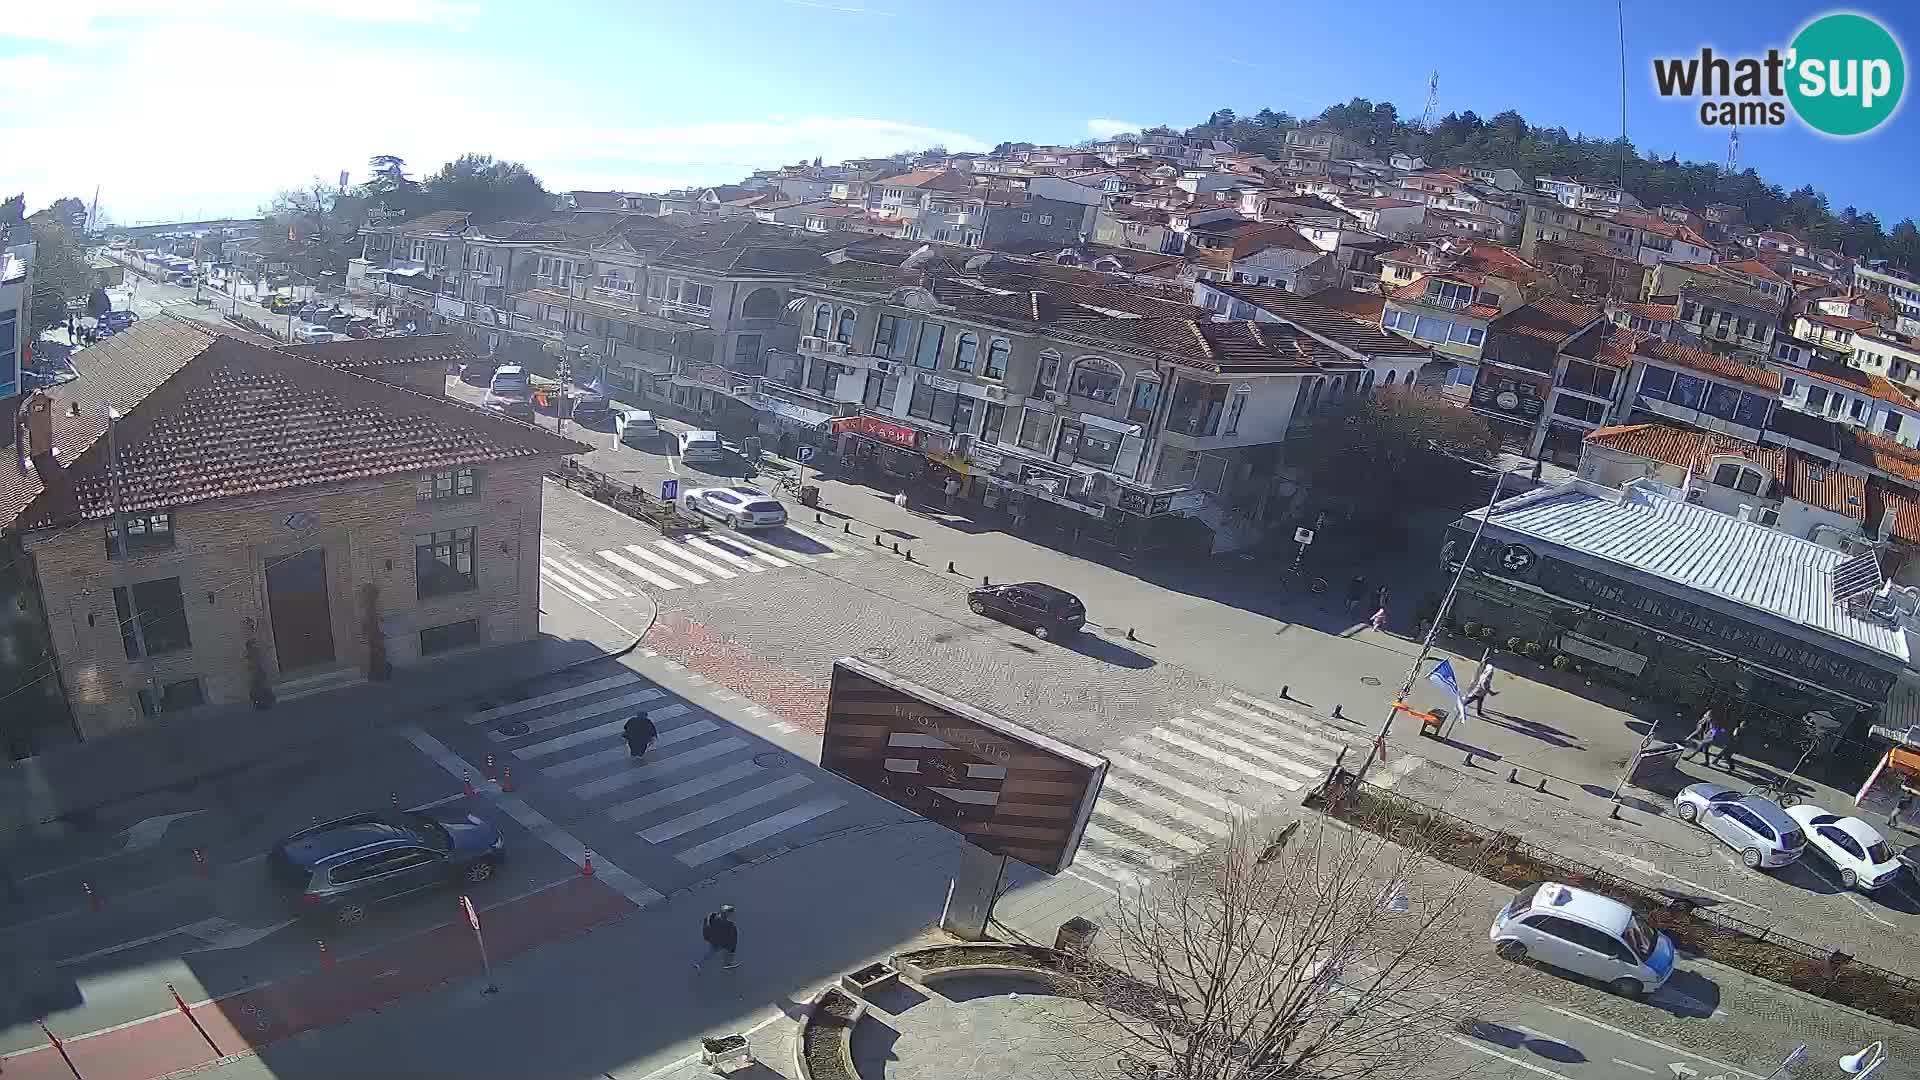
x=1426 y=645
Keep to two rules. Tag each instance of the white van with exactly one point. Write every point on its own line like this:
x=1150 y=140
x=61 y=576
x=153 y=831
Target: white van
x=635 y=427
x=1585 y=933
x=698 y=446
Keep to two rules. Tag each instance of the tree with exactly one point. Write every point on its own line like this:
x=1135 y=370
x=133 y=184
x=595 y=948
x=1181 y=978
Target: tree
x=13 y=211
x=389 y=170
x=1332 y=955
x=1382 y=446
x=489 y=190
x=60 y=267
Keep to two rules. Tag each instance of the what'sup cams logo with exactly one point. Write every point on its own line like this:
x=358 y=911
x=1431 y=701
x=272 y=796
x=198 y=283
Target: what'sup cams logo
x=1843 y=75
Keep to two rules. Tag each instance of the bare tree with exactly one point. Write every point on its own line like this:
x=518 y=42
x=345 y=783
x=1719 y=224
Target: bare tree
x=1335 y=955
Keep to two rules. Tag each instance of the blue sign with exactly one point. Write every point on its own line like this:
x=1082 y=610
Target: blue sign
x=669 y=490
x=1442 y=676
x=806 y=454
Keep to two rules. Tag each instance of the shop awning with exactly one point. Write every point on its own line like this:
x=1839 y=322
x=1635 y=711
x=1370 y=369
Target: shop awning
x=799 y=413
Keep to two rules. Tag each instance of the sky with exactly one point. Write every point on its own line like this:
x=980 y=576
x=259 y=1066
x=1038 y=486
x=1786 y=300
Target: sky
x=193 y=108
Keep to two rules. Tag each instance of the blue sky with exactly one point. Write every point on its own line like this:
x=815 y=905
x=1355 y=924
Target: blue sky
x=186 y=107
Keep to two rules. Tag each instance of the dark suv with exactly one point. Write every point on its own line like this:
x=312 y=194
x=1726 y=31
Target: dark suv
x=1042 y=609
x=339 y=869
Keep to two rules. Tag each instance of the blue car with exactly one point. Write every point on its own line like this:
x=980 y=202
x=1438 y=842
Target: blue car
x=339 y=870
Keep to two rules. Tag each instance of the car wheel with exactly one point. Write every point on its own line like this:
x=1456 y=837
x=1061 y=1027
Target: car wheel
x=976 y=607
x=478 y=872
x=1849 y=879
x=1511 y=951
x=1628 y=988
x=350 y=914
x=1689 y=813
x=1041 y=631
x=740 y=523
x=1751 y=857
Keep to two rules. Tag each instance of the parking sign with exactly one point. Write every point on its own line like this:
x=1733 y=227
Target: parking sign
x=806 y=454
x=669 y=490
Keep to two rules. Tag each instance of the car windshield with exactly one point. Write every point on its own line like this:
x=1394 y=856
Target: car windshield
x=434 y=832
x=1641 y=938
x=1523 y=899
x=1880 y=852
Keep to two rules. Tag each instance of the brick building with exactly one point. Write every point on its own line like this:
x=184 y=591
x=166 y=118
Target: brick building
x=265 y=521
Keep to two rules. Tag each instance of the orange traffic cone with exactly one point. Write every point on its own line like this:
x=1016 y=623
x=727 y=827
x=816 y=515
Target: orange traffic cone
x=586 y=865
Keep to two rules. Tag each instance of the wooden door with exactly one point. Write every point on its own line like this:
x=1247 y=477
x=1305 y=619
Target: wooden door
x=297 y=602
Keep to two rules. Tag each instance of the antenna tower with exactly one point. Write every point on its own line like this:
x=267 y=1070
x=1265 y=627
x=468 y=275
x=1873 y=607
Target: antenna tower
x=1733 y=150
x=1433 y=98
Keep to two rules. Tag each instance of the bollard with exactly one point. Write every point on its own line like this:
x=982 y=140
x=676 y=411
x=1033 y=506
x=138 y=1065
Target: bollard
x=1513 y=776
x=1130 y=636
x=909 y=554
x=490 y=772
x=846 y=528
x=93 y=898
x=1337 y=714
x=896 y=547
x=1613 y=812
x=394 y=797
x=950 y=568
x=876 y=540
x=1469 y=761
x=1542 y=789
x=467 y=783
x=1284 y=695
x=984 y=581
x=200 y=861
x=817 y=519
x=586 y=864
x=506 y=779
x=326 y=958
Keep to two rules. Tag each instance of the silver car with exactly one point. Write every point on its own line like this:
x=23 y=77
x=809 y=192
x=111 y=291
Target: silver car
x=1757 y=828
x=740 y=507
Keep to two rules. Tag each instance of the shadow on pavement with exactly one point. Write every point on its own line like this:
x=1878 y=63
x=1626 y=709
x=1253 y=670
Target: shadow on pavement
x=1689 y=994
x=1515 y=1039
x=1095 y=647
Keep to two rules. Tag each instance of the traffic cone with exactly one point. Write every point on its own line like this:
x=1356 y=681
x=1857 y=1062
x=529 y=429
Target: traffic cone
x=93 y=899
x=506 y=779
x=200 y=862
x=395 y=797
x=326 y=958
x=586 y=865
x=467 y=782
x=490 y=773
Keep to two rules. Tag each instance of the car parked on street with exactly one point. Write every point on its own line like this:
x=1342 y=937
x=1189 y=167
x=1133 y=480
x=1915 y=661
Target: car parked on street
x=1757 y=828
x=635 y=427
x=310 y=334
x=1856 y=849
x=341 y=869
x=1584 y=933
x=741 y=507
x=1040 y=609
x=119 y=319
x=697 y=447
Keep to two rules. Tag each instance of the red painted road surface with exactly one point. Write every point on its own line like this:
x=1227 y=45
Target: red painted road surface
x=325 y=996
x=725 y=661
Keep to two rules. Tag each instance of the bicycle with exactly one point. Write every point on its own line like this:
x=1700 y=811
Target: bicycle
x=788 y=483
x=1779 y=792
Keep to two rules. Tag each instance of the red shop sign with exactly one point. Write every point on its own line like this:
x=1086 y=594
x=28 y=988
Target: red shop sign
x=874 y=427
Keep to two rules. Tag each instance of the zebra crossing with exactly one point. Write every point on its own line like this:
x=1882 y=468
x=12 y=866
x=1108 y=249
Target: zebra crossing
x=700 y=793
x=669 y=565
x=1176 y=789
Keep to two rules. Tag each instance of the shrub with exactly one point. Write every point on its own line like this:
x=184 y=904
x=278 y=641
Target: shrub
x=1513 y=644
x=1532 y=649
x=1472 y=629
x=1562 y=662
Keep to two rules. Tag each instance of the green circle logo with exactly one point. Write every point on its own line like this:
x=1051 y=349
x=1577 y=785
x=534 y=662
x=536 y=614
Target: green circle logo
x=1847 y=74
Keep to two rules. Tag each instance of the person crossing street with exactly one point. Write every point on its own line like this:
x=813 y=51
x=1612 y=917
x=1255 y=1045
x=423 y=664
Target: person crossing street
x=721 y=935
x=1481 y=690
x=640 y=734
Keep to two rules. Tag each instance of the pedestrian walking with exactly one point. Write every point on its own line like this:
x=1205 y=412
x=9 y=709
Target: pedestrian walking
x=640 y=734
x=1481 y=690
x=900 y=500
x=952 y=489
x=1380 y=621
x=1700 y=727
x=1727 y=736
x=1900 y=807
x=1704 y=744
x=721 y=935
x=1356 y=591
x=1380 y=597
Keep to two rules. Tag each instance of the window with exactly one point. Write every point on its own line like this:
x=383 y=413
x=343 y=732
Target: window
x=926 y=353
x=963 y=409
x=886 y=337
x=1893 y=424
x=932 y=405
x=1036 y=430
x=446 y=484
x=656 y=288
x=1049 y=374
x=439 y=639
x=173 y=697
x=848 y=320
x=1859 y=409
x=1235 y=404
x=996 y=359
x=145 y=532
x=822 y=320
x=1723 y=401
x=1146 y=398
x=443 y=562
x=153 y=618
x=1816 y=398
x=1098 y=447
x=1741 y=478
x=1046 y=219
x=1589 y=412
x=1687 y=309
x=1786 y=388
x=746 y=352
x=995 y=419
x=761 y=304
x=964 y=351
x=1450 y=294
x=1096 y=378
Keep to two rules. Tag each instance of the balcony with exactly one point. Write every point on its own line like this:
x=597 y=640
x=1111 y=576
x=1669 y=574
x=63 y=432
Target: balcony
x=647 y=360
x=715 y=377
x=820 y=346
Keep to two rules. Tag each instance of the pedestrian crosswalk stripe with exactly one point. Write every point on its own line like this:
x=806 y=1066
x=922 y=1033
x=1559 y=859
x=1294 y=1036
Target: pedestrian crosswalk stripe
x=598 y=578
x=673 y=763
x=765 y=550
x=719 y=552
x=568 y=742
x=1145 y=825
x=1307 y=733
x=563 y=572
x=666 y=564
x=1107 y=868
x=1128 y=850
x=1147 y=746
x=1132 y=792
x=555 y=698
x=1157 y=778
x=833 y=551
x=1315 y=755
x=758 y=831
x=724 y=809
x=547 y=575
x=1208 y=752
x=575 y=715
x=740 y=545
x=681 y=792
x=1244 y=747
x=637 y=570
x=681 y=551
x=620 y=752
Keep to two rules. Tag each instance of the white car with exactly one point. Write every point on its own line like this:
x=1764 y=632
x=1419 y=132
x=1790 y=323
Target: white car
x=1853 y=847
x=1585 y=933
x=1757 y=828
x=312 y=334
x=740 y=507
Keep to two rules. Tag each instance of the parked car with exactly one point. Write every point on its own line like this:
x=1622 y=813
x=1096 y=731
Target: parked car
x=1584 y=933
x=702 y=446
x=740 y=507
x=118 y=320
x=1041 y=609
x=1851 y=846
x=310 y=334
x=1757 y=828
x=281 y=303
x=340 y=869
x=478 y=372
x=635 y=427
x=360 y=327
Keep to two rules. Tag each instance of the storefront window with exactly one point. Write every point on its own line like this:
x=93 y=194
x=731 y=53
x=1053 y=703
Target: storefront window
x=1036 y=430
x=963 y=409
x=932 y=405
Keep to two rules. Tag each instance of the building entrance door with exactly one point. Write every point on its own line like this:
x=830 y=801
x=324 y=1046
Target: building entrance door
x=297 y=601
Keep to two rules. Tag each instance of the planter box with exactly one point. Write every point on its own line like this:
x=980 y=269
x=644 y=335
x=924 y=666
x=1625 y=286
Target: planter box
x=826 y=1035
x=868 y=979
x=726 y=1054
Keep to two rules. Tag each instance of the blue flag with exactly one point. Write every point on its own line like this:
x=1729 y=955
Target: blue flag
x=1442 y=675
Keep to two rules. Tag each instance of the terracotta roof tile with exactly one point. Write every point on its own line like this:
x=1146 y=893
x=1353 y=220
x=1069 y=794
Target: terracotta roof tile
x=1710 y=363
x=1822 y=485
x=1367 y=307
x=1865 y=382
x=1550 y=319
x=1333 y=324
x=361 y=354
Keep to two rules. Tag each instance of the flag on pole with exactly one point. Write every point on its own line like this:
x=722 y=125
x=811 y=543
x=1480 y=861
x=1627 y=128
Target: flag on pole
x=1442 y=676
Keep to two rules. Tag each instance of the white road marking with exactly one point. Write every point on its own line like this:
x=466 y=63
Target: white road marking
x=621 y=752
x=681 y=792
x=758 y=831
x=535 y=822
x=547 y=575
x=666 y=564
x=661 y=767
x=761 y=549
x=583 y=712
x=1124 y=765
x=568 y=742
x=1631 y=1065
x=1292 y=765
x=721 y=553
x=1519 y=1063
x=1569 y=1013
x=553 y=565
x=554 y=698
x=1848 y=893
x=725 y=808
x=1107 y=838
x=1106 y=868
x=639 y=571
x=739 y=543
x=1306 y=732
x=832 y=546
x=1116 y=785
x=1143 y=824
x=598 y=578
x=1317 y=756
x=1147 y=747
x=680 y=551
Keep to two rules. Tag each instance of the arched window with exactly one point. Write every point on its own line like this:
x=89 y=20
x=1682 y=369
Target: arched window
x=1366 y=385
x=1390 y=377
x=1738 y=474
x=1097 y=378
x=761 y=304
x=1145 y=399
x=1339 y=387
x=964 y=351
x=997 y=350
x=848 y=319
x=823 y=320
x=1047 y=375
x=1313 y=395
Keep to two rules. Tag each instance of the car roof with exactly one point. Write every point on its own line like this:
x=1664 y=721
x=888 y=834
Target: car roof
x=638 y=414
x=1587 y=907
x=748 y=492
x=326 y=842
x=1861 y=831
x=712 y=435
x=1768 y=811
x=1049 y=591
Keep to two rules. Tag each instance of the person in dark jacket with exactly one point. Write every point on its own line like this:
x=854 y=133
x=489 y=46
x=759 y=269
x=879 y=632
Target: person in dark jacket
x=640 y=733
x=721 y=935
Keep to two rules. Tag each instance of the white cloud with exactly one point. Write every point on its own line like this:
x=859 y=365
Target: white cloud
x=1101 y=127
x=81 y=22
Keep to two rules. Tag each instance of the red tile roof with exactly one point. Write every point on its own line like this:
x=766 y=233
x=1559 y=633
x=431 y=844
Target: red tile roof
x=1686 y=448
x=1865 y=382
x=1367 y=307
x=1820 y=484
x=1838 y=322
x=1700 y=360
x=1755 y=268
x=1657 y=312
x=1549 y=319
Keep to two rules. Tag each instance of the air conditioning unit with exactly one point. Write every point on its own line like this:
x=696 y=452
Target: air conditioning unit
x=1768 y=517
x=996 y=393
x=887 y=367
x=1056 y=397
x=1696 y=496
